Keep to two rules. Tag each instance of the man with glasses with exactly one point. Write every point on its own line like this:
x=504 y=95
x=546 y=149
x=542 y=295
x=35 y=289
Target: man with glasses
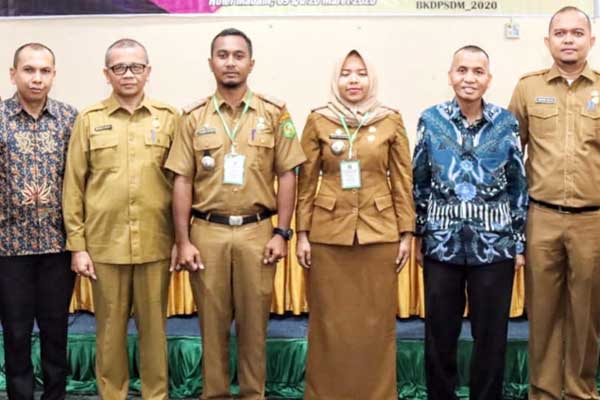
x=117 y=211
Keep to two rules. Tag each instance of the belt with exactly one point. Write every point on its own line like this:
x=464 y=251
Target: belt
x=233 y=220
x=565 y=209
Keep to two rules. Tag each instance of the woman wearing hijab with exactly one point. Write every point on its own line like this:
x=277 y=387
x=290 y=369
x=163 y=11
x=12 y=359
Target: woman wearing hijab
x=354 y=234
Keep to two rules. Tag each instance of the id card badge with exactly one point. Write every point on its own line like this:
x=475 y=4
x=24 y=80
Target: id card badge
x=350 y=173
x=234 y=169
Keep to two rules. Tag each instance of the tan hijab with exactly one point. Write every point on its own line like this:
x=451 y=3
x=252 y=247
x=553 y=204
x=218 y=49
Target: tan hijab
x=353 y=113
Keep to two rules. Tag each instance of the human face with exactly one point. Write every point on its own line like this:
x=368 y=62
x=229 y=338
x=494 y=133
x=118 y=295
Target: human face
x=128 y=85
x=33 y=76
x=469 y=76
x=569 y=38
x=230 y=61
x=353 y=83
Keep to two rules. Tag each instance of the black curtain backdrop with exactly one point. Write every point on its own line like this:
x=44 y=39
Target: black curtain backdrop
x=15 y=8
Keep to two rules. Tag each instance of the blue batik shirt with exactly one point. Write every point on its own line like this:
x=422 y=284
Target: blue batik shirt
x=470 y=188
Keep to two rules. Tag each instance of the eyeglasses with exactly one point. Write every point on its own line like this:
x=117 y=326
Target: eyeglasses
x=121 y=69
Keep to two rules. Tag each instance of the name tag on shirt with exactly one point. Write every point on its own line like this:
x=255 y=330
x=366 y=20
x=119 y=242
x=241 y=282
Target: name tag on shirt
x=545 y=100
x=350 y=174
x=234 y=169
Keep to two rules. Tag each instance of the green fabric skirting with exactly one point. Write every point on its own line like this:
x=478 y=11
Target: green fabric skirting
x=286 y=360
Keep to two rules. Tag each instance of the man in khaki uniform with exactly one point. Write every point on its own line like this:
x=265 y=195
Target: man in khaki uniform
x=117 y=200
x=559 y=115
x=228 y=151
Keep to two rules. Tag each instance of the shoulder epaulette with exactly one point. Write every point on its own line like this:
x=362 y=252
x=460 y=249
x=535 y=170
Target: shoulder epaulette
x=197 y=104
x=162 y=106
x=276 y=102
x=95 y=107
x=392 y=109
x=535 y=73
x=318 y=108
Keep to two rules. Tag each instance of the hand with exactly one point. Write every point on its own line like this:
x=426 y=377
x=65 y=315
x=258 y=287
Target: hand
x=419 y=251
x=82 y=264
x=403 y=251
x=188 y=257
x=174 y=266
x=519 y=261
x=275 y=250
x=303 y=250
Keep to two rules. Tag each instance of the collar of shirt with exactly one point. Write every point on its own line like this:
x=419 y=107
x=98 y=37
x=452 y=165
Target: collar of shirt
x=457 y=116
x=587 y=73
x=14 y=107
x=112 y=105
x=220 y=101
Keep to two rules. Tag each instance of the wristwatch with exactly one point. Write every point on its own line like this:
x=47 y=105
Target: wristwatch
x=284 y=233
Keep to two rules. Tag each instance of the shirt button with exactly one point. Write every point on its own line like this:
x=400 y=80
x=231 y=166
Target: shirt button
x=355 y=210
x=234 y=190
x=353 y=190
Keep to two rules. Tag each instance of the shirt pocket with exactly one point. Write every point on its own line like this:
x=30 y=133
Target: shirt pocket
x=590 y=124
x=262 y=145
x=158 y=144
x=543 y=119
x=208 y=145
x=104 y=151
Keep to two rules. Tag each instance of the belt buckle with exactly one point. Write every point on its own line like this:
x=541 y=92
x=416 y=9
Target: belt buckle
x=561 y=210
x=236 y=220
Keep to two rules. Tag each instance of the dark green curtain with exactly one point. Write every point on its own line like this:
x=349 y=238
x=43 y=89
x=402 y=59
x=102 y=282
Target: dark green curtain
x=286 y=360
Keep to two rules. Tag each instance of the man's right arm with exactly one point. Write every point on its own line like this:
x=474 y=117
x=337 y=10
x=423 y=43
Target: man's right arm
x=73 y=201
x=182 y=162
x=188 y=255
x=518 y=106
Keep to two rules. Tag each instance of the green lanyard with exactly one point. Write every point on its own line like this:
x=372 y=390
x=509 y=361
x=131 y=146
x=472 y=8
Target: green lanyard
x=352 y=137
x=232 y=133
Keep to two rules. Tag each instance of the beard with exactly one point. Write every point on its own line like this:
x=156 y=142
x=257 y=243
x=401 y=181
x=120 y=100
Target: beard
x=569 y=62
x=232 y=85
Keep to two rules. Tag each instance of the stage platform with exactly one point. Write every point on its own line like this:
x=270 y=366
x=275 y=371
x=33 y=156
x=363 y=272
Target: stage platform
x=286 y=356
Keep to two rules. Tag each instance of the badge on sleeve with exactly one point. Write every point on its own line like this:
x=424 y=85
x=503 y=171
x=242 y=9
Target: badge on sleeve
x=288 y=130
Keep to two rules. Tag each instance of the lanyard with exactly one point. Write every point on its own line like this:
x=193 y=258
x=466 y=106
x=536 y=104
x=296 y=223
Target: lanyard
x=352 y=137
x=232 y=133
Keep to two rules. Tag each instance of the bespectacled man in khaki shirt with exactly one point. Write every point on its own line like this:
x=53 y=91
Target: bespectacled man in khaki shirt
x=228 y=152
x=559 y=115
x=117 y=201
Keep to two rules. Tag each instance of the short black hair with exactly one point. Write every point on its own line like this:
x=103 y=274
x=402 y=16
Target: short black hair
x=231 y=32
x=567 y=9
x=472 y=49
x=124 y=43
x=33 y=46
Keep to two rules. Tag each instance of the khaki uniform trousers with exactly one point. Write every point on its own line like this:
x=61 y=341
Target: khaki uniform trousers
x=562 y=280
x=234 y=284
x=118 y=286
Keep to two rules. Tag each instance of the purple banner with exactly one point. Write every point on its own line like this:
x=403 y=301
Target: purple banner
x=16 y=8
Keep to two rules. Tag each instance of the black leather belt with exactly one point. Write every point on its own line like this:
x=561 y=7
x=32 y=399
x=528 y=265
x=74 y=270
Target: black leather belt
x=232 y=220
x=565 y=209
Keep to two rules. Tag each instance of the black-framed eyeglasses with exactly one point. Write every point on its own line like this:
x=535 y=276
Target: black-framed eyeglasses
x=121 y=69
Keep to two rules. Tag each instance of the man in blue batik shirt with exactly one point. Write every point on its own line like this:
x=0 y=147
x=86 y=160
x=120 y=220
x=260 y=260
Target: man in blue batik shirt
x=471 y=199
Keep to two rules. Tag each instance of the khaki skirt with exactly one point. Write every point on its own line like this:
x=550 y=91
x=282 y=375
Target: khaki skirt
x=352 y=292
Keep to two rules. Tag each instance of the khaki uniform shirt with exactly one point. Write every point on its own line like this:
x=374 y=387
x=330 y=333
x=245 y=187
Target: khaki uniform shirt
x=560 y=124
x=117 y=196
x=377 y=212
x=266 y=137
